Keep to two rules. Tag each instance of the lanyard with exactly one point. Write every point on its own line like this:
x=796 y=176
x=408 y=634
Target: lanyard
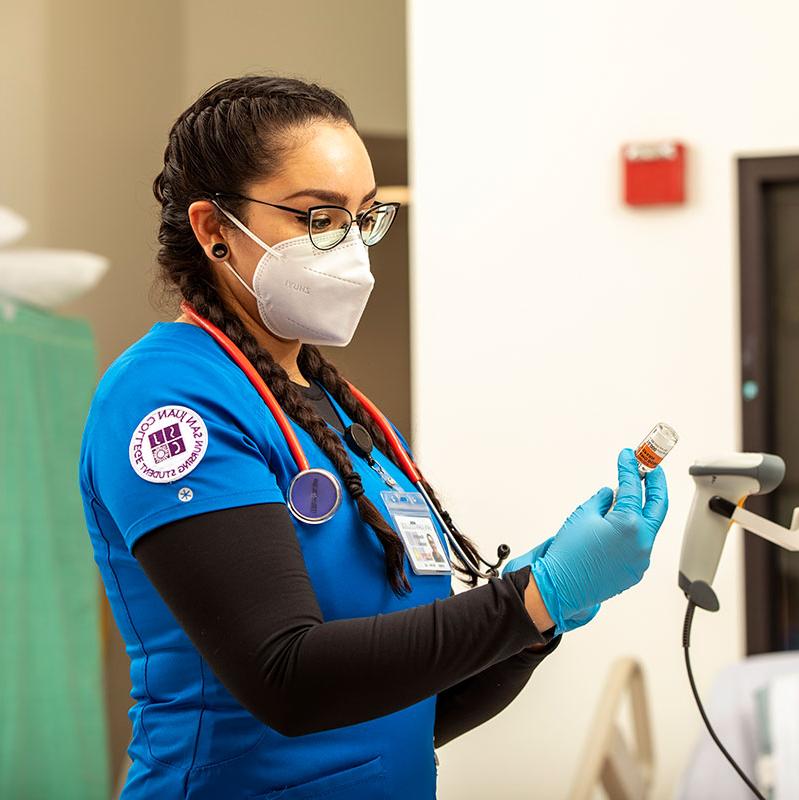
x=314 y=493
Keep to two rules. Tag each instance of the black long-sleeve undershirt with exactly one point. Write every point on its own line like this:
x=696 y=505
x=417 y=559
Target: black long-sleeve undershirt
x=243 y=595
x=473 y=701
x=468 y=702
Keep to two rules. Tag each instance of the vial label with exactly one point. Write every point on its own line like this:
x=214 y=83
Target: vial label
x=650 y=455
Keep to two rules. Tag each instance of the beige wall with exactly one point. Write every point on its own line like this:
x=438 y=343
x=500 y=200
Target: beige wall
x=23 y=100
x=89 y=90
x=356 y=47
x=111 y=102
x=86 y=107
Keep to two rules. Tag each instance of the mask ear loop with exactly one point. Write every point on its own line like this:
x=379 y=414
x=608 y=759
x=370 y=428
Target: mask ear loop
x=252 y=236
x=240 y=279
x=244 y=229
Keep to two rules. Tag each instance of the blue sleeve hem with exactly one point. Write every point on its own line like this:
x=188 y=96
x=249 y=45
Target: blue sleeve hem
x=145 y=524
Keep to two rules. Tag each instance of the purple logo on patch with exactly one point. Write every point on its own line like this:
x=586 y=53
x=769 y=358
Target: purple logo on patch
x=166 y=443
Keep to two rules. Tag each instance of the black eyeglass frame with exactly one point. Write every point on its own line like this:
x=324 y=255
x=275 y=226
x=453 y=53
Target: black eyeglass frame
x=358 y=218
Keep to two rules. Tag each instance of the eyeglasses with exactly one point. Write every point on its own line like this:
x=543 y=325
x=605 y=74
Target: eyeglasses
x=329 y=225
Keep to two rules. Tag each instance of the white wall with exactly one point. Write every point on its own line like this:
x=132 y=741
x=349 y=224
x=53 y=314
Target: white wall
x=553 y=326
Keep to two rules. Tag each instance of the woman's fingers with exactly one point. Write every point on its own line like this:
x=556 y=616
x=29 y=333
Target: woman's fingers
x=599 y=503
x=657 y=497
x=629 y=496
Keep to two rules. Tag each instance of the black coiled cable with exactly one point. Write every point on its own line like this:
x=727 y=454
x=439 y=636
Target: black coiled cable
x=686 y=643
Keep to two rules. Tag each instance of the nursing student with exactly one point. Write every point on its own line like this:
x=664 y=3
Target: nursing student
x=285 y=639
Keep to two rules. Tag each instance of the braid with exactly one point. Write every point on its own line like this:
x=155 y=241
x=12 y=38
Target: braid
x=313 y=364
x=238 y=131
x=205 y=299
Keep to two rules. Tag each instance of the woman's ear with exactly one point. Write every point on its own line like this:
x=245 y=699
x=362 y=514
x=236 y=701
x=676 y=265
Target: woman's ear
x=205 y=224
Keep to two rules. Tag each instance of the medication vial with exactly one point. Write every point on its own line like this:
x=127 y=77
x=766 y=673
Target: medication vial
x=655 y=446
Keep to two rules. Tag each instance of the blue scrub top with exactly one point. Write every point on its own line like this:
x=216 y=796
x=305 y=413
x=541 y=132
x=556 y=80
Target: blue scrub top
x=175 y=428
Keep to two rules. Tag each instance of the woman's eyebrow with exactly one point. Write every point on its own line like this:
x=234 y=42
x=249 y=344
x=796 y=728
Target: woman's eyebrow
x=329 y=196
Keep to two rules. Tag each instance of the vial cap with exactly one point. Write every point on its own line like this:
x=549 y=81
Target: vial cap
x=663 y=435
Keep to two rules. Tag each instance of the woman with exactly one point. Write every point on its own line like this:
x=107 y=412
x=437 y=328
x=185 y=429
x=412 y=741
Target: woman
x=273 y=654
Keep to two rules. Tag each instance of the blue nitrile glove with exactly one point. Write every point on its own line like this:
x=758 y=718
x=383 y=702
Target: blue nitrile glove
x=572 y=622
x=597 y=553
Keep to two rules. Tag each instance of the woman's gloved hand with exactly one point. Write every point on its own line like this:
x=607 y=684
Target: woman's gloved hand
x=599 y=553
x=569 y=623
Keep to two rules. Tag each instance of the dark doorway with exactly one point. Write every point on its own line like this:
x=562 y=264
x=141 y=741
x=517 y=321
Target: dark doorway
x=769 y=247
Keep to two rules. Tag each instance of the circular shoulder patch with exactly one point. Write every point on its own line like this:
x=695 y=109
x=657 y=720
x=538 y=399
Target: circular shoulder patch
x=168 y=444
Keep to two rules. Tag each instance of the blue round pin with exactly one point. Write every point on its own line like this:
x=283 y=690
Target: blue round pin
x=314 y=495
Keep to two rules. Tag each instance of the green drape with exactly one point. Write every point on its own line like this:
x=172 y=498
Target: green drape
x=52 y=722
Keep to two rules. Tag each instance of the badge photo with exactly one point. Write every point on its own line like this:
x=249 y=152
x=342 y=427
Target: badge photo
x=168 y=444
x=411 y=517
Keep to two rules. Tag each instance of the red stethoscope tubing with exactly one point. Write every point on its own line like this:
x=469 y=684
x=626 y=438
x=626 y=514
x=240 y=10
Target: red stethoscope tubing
x=407 y=464
x=255 y=379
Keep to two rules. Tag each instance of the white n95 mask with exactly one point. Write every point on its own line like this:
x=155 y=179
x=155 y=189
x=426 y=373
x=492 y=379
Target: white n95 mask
x=316 y=296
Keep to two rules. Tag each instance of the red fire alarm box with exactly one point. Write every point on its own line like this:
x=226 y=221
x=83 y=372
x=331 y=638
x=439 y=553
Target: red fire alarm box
x=654 y=173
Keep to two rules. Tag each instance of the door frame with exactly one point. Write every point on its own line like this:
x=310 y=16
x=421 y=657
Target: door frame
x=754 y=176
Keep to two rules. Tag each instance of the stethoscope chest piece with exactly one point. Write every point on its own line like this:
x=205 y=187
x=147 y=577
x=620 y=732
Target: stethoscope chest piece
x=314 y=495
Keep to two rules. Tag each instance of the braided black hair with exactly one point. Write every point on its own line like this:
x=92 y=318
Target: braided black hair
x=235 y=132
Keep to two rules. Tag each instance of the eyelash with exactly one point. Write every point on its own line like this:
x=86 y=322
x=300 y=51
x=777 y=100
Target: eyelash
x=304 y=218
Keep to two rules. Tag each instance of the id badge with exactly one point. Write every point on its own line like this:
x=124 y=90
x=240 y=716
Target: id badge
x=412 y=520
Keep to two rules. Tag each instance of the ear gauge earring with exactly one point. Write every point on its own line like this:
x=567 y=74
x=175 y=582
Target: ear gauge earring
x=219 y=250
